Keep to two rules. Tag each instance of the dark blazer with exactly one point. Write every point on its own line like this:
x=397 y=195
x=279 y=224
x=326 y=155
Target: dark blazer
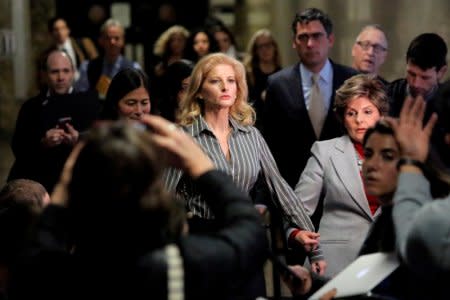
x=36 y=116
x=287 y=127
x=397 y=94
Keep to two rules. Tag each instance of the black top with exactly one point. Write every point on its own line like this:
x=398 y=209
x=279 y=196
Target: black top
x=36 y=116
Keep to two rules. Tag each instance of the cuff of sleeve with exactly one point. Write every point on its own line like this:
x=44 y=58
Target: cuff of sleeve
x=316 y=255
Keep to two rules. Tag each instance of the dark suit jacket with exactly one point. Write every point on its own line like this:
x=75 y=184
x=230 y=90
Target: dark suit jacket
x=36 y=116
x=287 y=127
x=397 y=94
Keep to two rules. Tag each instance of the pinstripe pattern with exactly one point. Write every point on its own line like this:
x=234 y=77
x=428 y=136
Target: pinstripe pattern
x=250 y=155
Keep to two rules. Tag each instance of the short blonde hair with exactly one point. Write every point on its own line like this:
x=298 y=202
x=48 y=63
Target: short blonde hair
x=361 y=85
x=192 y=106
x=162 y=43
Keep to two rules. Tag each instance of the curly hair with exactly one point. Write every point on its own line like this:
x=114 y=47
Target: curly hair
x=192 y=106
x=162 y=44
x=361 y=85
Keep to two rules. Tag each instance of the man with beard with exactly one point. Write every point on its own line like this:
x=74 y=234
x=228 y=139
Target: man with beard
x=426 y=66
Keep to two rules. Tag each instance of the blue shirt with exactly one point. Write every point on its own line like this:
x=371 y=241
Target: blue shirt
x=325 y=83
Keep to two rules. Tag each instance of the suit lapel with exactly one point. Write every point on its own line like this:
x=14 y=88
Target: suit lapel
x=345 y=165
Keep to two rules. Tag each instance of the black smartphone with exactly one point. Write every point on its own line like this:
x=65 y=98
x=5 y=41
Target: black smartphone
x=62 y=122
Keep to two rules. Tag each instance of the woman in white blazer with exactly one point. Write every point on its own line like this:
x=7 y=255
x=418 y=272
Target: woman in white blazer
x=333 y=174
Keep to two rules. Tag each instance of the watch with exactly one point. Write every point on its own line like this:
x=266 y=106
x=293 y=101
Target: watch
x=410 y=161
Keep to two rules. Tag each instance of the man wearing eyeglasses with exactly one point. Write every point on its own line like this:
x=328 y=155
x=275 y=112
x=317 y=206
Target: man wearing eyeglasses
x=370 y=50
x=292 y=109
x=426 y=66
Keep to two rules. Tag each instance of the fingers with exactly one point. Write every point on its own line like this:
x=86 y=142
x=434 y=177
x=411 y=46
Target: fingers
x=428 y=129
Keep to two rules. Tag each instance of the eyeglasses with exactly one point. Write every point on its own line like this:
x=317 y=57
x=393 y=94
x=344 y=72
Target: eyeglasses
x=304 y=37
x=264 y=45
x=377 y=48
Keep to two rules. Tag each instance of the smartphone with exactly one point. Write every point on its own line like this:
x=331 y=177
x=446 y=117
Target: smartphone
x=62 y=122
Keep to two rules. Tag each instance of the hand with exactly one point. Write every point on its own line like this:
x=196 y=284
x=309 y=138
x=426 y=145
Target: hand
x=410 y=134
x=53 y=137
x=319 y=267
x=182 y=150
x=60 y=195
x=329 y=295
x=71 y=135
x=309 y=240
x=303 y=285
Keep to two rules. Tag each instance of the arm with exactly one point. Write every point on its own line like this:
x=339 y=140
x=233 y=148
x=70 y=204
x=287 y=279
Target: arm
x=293 y=209
x=421 y=226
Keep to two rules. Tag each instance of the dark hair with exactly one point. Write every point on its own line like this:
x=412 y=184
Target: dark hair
x=21 y=202
x=190 y=52
x=52 y=21
x=176 y=73
x=116 y=193
x=312 y=14
x=381 y=127
x=124 y=82
x=426 y=51
x=226 y=30
x=434 y=170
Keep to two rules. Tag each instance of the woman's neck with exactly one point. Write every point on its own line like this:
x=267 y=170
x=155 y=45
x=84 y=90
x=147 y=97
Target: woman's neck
x=218 y=120
x=267 y=67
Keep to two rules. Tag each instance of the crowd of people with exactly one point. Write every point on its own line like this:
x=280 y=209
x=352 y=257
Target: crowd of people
x=138 y=183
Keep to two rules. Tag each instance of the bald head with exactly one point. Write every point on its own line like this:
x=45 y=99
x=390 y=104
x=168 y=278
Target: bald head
x=370 y=50
x=60 y=72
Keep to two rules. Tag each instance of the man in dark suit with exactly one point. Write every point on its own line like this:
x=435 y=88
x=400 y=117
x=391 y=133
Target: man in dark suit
x=49 y=124
x=426 y=66
x=295 y=116
x=287 y=101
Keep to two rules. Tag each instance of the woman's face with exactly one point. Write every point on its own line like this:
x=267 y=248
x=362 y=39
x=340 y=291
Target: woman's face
x=177 y=44
x=134 y=104
x=360 y=114
x=219 y=88
x=380 y=166
x=201 y=44
x=265 y=49
x=223 y=40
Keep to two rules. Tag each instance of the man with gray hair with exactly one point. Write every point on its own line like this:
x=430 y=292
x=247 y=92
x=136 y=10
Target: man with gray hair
x=97 y=74
x=370 y=50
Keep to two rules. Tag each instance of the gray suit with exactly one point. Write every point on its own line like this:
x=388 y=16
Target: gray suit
x=332 y=173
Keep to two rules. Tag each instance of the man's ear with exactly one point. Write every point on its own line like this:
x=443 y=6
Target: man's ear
x=442 y=72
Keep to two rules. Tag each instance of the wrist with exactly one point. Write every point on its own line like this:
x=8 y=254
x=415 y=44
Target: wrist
x=407 y=164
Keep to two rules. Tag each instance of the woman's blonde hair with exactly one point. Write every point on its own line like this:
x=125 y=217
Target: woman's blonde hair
x=162 y=43
x=192 y=106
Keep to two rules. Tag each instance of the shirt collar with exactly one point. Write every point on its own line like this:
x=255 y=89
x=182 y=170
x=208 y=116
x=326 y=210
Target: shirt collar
x=200 y=125
x=50 y=94
x=325 y=74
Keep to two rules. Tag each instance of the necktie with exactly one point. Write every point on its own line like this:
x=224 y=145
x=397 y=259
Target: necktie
x=316 y=106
